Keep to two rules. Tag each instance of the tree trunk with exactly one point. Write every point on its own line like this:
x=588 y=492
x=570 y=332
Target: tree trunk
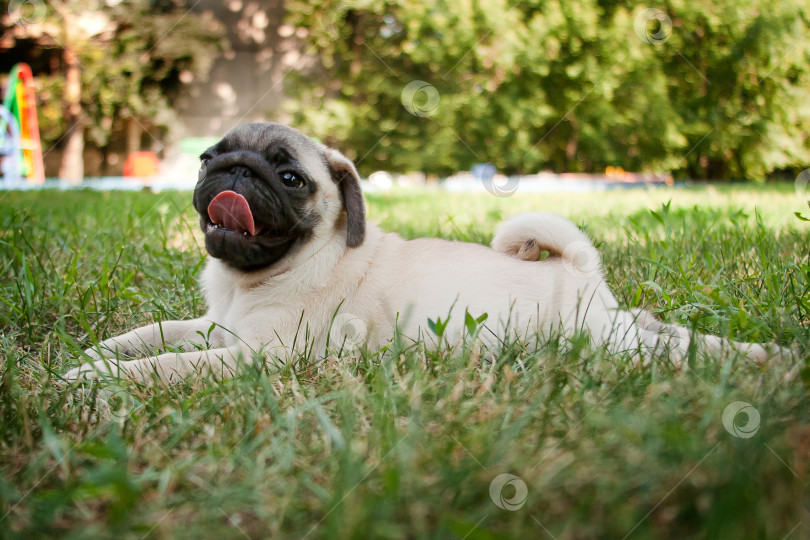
x=571 y=151
x=72 y=168
x=134 y=132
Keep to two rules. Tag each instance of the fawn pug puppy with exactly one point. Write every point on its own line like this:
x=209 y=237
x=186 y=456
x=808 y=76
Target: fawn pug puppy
x=292 y=258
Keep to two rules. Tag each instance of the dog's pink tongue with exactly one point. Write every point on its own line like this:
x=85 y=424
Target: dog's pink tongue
x=231 y=210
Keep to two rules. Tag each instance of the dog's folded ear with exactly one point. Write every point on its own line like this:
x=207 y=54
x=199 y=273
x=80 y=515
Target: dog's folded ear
x=345 y=176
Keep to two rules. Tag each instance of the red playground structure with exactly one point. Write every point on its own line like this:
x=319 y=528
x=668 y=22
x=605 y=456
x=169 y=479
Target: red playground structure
x=20 y=146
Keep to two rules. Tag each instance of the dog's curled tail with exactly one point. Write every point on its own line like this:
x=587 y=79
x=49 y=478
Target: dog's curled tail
x=528 y=236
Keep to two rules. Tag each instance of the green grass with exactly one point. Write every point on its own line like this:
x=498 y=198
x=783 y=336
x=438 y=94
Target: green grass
x=406 y=444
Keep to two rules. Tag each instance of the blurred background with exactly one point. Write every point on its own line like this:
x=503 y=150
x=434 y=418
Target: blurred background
x=716 y=90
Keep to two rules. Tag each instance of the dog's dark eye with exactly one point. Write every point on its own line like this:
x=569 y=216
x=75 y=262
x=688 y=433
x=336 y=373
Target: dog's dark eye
x=205 y=158
x=292 y=180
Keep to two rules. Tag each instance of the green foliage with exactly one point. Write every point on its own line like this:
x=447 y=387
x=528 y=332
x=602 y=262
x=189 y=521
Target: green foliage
x=136 y=58
x=135 y=70
x=404 y=443
x=568 y=86
x=50 y=111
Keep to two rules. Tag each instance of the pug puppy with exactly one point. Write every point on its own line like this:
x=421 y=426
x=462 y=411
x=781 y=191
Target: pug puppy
x=293 y=265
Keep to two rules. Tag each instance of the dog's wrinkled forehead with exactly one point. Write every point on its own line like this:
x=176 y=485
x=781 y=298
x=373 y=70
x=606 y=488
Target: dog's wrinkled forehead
x=263 y=138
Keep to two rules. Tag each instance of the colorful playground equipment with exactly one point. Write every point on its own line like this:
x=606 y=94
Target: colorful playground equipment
x=20 y=147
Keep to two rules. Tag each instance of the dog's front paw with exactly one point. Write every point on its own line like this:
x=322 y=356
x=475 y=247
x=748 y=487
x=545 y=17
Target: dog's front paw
x=107 y=349
x=94 y=354
x=104 y=368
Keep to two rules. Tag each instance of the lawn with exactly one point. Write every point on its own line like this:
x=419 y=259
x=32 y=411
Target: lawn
x=412 y=443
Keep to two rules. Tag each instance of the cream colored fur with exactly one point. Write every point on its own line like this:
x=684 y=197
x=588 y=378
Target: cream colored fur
x=325 y=292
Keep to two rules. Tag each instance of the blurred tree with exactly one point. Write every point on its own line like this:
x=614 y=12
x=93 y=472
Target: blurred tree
x=122 y=66
x=706 y=90
x=737 y=75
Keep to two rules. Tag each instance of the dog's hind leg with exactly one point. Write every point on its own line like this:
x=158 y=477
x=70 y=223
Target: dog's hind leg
x=673 y=341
